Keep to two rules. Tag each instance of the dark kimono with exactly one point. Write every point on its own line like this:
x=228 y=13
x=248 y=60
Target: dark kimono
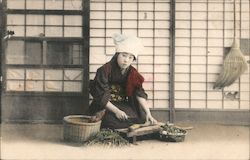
x=121 y=90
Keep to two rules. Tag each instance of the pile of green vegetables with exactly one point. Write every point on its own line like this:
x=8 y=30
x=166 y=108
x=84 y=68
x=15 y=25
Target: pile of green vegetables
x=107 y=137
x=170 y=133
x=172 y=130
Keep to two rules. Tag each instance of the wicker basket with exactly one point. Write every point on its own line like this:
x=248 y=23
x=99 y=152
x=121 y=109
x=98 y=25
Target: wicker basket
x=172 y=137
x=177 y=137
x=76 y=128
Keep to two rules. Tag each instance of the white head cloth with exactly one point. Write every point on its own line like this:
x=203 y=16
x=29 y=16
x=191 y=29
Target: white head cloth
x=129 y=44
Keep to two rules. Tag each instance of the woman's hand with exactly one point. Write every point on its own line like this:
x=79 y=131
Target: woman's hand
x=121 y=115
x=150 y=119
x=144 y=104
x=118 y=113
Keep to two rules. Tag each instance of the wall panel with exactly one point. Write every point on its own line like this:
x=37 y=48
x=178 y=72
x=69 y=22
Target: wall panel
x=148 y=20
x=203 y=38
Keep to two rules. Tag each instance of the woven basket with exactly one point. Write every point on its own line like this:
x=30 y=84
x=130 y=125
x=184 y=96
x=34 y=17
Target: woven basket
x=172 y=137
x=177 y=137
x=76 y=128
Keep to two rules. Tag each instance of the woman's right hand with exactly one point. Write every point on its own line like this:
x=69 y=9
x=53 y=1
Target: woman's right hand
x=118 y=113
x=121 y=115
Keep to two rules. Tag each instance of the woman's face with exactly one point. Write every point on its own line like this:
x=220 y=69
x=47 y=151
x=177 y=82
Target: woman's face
x=124 y=60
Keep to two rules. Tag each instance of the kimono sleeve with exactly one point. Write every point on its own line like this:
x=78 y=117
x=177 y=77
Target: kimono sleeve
x=141 y=92
x=99 y=88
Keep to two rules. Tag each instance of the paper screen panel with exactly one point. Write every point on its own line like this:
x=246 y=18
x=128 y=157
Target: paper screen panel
x=53 y=86
x=73 y=4
x=34 y=86
x=53 y=74
x=15 y=85
x=34 y=74
x=72 y=86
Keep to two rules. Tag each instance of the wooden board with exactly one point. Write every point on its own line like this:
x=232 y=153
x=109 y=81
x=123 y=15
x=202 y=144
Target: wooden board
x=140 y=131
x=144 y=131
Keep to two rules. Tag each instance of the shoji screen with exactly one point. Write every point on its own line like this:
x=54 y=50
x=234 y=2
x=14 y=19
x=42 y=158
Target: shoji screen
x=45 y=18
x=46 y=53
x=204 y=33
x=149 y=20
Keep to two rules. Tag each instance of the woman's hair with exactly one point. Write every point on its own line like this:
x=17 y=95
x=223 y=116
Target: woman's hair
x=114 y=58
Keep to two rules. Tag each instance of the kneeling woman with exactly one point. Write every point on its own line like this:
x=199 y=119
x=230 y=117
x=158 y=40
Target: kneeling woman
x=117 y=87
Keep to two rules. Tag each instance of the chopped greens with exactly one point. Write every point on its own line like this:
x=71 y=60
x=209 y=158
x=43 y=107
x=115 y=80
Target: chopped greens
x=171 y=133
x=107 y=137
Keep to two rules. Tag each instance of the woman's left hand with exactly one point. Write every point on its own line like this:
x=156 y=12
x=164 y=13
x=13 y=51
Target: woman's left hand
x=150 y=119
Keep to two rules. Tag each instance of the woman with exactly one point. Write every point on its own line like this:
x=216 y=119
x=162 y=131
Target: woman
x=117 y=88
